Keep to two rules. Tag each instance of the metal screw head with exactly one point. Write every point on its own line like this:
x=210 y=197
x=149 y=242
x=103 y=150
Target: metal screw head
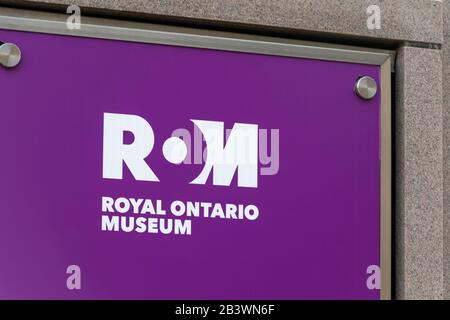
x=366 y=88
x=9 y=55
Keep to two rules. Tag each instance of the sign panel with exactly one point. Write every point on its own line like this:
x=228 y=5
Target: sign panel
x=145 y=171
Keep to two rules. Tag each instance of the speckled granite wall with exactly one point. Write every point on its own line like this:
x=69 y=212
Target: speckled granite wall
x=409 y=20
x=422 y=255
x=446 y=110
x=419 y=246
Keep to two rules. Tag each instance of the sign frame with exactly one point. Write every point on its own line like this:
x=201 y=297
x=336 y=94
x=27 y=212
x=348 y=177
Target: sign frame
x=55 y=23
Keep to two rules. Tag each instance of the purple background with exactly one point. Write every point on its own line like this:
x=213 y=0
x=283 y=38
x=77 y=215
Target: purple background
x=318 y=228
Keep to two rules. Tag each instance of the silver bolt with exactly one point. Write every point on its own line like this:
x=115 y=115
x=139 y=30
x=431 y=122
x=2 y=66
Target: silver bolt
x=366 y=88
x=9 y=55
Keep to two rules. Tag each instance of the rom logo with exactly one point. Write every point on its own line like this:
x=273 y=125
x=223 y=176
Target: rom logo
x=239 y=154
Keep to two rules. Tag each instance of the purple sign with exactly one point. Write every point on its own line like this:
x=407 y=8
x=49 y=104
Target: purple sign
x=143 y=171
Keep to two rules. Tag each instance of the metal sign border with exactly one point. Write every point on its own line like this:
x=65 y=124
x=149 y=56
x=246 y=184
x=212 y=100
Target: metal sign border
x=55 y=23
